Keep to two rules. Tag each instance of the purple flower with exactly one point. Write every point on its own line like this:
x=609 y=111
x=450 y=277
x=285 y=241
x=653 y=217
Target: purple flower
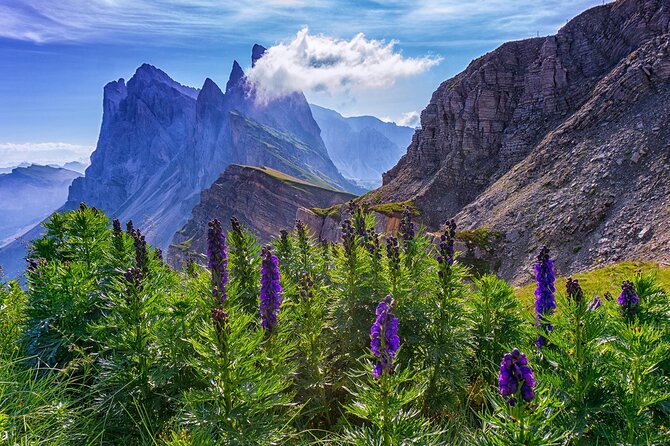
x=393 y=253
x=129 y=227
x=348 y=237
x=446 y=246
x=270 y=298
x=574 y=290
x=219 y=320
x=306 y=287
x=384 y=340
x=515 y=375
x=141 y=251
x=628 y=299
x=236 y=226
x=595 y=304
x=372 y=245
x=358 y=216
x=116 y=225
x=544 y=292
x=406 y=230
x=217 y=255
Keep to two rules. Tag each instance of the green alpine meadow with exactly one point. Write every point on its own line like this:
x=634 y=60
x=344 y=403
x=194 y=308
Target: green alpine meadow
x=368 y=341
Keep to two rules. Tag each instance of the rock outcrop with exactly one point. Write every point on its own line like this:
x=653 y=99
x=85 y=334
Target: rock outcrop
x=262 y=199
x=557 y=140
x=362 y=147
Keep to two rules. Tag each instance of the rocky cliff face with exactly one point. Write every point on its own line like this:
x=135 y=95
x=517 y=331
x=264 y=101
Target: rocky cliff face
x=491 y=116
x=263 y=199
x=362 y=147
x=555 y=140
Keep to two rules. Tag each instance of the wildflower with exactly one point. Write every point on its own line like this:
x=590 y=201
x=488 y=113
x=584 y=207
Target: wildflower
x=236 y=226
x=574 y=290
x=372 y=245
x=406 y=230
x=628 y=299
x=348 y=237
x=217 y=255
x=133 y=276
x=116 y=227
x=219 y=320
x=358 y=216
x=384 y=341
x=270 y=298
x=446 y=246
x=595 y=304
x=305 y=287
x=515 y=372
x=129 y=227
x=117 y=237
x=141 y=256
x=32 y=265
x=283 y=235
x=393 y=253
x=158 y=254
x=608 y=295
x=544 y=293
x=301 y=229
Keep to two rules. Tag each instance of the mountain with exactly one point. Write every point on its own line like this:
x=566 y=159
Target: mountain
x=4 y=170
x=162 y=143
x=30 y=194
x=362 y=147
x=76 y=166
x=559 y=140
x=262 y=199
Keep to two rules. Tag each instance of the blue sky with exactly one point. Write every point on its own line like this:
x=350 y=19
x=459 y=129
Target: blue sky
x=55 y=56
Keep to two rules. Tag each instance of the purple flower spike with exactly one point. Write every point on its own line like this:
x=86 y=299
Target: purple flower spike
x=515 y=375
x=384 y=340
x=544 y=293
x=595 y=304
x=628 y=300
x=270 y=299
x=217 y=255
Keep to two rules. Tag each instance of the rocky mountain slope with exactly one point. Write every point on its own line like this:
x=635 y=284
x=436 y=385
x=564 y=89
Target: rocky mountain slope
x=558 y=140
x=30 y=194
x=263 y=199
x=362 y=147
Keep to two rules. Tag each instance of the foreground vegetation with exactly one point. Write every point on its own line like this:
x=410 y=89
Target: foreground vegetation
x=364 y=342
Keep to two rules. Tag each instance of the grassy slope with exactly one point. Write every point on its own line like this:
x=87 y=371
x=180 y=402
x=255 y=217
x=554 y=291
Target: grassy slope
x=609 y=278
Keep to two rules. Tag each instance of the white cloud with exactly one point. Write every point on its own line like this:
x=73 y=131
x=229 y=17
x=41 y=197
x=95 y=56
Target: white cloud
x=410 y=119
x=13 y=154
x=324 y=63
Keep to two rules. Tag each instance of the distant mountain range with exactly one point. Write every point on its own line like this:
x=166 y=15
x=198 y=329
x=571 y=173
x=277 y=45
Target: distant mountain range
x=362 y=147
x=28 y=195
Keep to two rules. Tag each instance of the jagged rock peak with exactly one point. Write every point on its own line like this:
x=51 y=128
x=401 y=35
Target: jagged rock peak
x=256 y=53
x=236 y=76
x=149 y=73
x=209 y=90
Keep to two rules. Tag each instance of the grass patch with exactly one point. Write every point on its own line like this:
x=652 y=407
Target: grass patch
x=609 y=278
x=333 y=211
x=395 y=208
x=185 y=245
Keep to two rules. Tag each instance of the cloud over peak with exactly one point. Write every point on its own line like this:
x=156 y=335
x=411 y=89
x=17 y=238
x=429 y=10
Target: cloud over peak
x=324 y=63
